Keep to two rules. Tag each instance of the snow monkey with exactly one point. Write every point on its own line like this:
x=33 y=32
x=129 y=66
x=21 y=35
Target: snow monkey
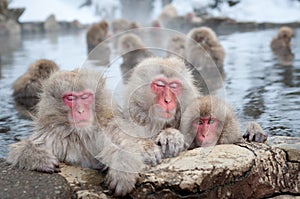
x=76 y=124
x=26 y=88
x=205 y=56
x=209 y=121
x=96 y=34
x=133 y=52
x=157 y=93
x=281 y=45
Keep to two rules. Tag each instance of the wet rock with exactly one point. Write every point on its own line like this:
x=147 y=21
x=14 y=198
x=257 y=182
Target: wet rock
x=21 y=184
x=247 y=170
x=290 y=144
x=85 y=183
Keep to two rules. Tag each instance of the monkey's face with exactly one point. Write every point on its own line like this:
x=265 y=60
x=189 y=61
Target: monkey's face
x=80 y=107
x=206 y=130
x=166 y=92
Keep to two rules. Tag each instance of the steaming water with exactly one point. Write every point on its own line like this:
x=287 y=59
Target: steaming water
x=256 y=86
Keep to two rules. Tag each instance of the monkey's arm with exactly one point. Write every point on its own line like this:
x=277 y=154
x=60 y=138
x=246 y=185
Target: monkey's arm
x=124 y=159
x=171 y=141
x=29 y=155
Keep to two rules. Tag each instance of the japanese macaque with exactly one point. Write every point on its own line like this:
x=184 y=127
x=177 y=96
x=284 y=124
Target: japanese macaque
x=254 y=132
x=281 y=45
x=208 y=121
x=205 y=55
x=176 y=45
x=168 y=13
x=157 y=93
x=26 y=88
x=75 y=124
x=96 y=34
x=133 y=51
x=121 y=25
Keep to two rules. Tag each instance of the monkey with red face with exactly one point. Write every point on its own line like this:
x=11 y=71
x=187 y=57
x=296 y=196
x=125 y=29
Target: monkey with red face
x=76 y=124
x=157 y=93
x=209 y=121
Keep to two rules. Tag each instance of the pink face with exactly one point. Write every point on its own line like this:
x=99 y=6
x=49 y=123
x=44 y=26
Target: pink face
x=206 y=129
x=166 y=92
x=80 y=104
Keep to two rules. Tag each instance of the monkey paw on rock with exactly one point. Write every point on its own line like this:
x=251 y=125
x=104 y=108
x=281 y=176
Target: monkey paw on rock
x=255 y=133
x=152 y=154
x=121 y=182
x=171 y=142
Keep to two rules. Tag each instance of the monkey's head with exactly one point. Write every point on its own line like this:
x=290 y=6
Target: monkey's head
x=42 y=69
x=204 y=120
x=286 y=33
x=104 y=26
x=71 y=99
x=204 y=36
x=159 y=88
x=130 y=42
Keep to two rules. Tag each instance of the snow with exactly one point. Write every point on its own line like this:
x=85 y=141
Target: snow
x=64 y=10
x=280 y=11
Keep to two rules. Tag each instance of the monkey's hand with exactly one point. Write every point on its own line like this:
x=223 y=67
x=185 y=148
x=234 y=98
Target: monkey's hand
x=152 y=154
x=121 y=182
x=171 y=141
x=254 y=133
x=27 y=155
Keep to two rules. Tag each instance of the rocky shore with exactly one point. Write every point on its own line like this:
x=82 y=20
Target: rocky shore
x=246 y=170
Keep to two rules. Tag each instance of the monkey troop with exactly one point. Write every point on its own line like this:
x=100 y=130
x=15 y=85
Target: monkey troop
x=78 y=123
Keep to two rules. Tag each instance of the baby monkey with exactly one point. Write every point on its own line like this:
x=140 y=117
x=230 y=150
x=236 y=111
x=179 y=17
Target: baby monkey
x=209 y=121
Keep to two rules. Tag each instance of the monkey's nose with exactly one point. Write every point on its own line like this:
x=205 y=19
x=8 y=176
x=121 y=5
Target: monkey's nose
x=80 y=111
x=168 y=100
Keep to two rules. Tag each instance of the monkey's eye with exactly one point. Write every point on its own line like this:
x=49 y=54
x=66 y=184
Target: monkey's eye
x=85 y=96
x=160 y=84
x=211 y=121
x=199 y=122
x=70 y=97
x=174 y=85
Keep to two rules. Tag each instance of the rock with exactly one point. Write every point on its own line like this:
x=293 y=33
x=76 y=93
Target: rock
x=290 y=144
x=51 y=25
x=222 y=172
x=85 y=183
x=245 y=170
x=21 y=184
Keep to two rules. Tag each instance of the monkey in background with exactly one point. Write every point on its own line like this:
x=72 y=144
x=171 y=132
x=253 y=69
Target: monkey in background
x=96 y=34
x=168 y=13
x=98 y=48
x=121 y=25
x=76 y=124
x=26 y=88
x=157 y=93
x=133 y=51
x=205 y=56
x=176 y=45
x=209 y=121
x=281 y=45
